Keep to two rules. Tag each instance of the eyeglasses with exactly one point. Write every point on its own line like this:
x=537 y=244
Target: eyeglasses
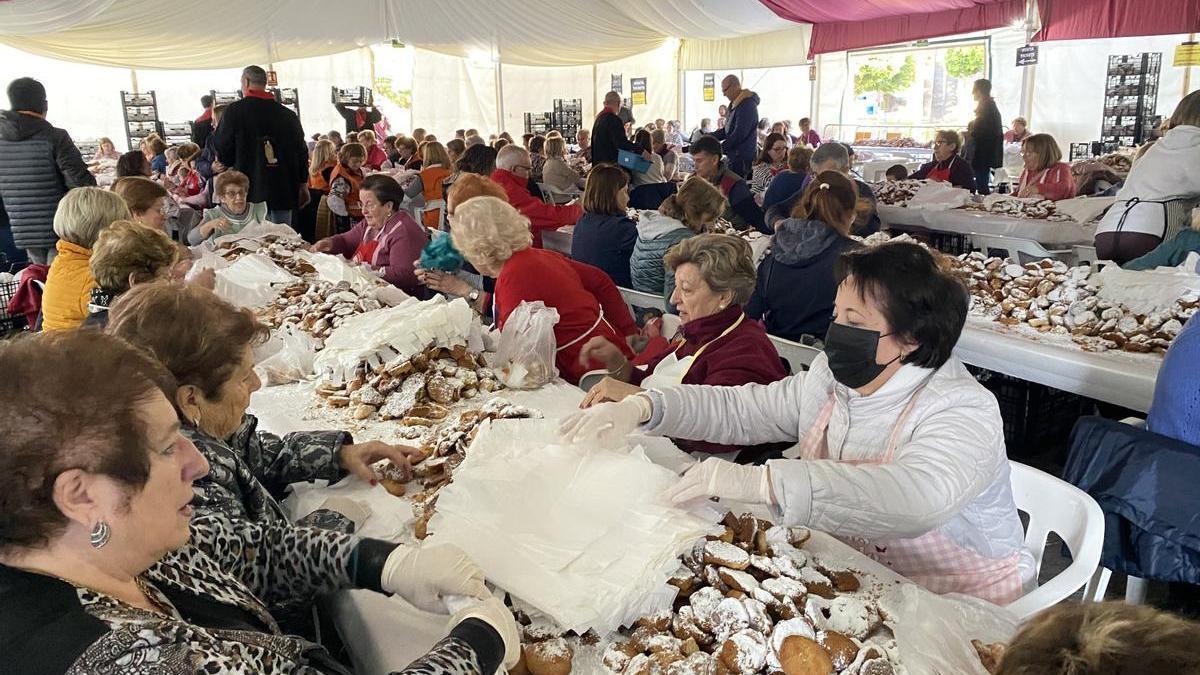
x=234 y=194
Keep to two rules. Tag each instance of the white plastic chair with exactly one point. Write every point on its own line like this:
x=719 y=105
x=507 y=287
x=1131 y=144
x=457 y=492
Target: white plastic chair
x=1013 y=248
x=438 y=205
x=1054 y=505
x=644 y=300
x=798 y=356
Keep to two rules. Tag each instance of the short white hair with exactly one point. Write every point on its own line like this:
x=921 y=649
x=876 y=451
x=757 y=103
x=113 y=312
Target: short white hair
x=489 y=229
x=511 y=156
x=84 y=211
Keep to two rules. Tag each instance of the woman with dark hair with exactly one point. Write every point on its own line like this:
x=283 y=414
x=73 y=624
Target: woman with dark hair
x=478 y=159
x=901 y=451
x=771 y=162
x=104 y=568
x=133 y=163
x=645 y=142
x=387 y=239
x=604 y=236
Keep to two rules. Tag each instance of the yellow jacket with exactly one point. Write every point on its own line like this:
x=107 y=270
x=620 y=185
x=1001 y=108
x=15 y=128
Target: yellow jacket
x=69 y=285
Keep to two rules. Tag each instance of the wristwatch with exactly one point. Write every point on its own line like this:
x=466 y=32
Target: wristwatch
x=473 y=295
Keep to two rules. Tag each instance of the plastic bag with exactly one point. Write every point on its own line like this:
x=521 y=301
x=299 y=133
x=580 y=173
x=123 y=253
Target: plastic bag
x=252 y=281
x=293 y=360
x=527 y=346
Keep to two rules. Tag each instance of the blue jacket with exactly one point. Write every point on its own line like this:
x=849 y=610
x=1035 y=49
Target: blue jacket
x=1175 y=411
x=783 y=187
x=1170 y=253
x=739 y=138
x=656 y=235
x=605 y=241
x=796 y=284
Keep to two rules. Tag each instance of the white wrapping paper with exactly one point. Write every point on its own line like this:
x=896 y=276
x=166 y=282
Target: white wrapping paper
x=1146 y=291
x=252 y=281
x=937 y=196
x=583 y=535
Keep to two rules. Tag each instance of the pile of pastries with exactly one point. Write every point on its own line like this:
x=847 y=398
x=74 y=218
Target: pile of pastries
x=753 y=601
x=906 y=142
x=317 y=307
x=896 y=192
x=1040 y=209
x=1051 y=297
x=281 y=250
x=417 y=391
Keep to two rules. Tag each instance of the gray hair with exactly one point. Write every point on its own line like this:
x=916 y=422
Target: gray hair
x=612 y=97
x=84 y=211
x=831 y=152
x=473 y=140
x=510 y=156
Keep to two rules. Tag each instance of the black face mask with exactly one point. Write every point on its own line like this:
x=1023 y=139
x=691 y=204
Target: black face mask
x=851 y=354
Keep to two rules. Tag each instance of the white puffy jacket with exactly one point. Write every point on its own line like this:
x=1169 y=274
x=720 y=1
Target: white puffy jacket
x=949 y=471
x=1170 y=168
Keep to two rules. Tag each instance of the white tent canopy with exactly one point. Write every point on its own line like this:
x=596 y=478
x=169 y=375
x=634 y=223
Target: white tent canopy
x=233 y=33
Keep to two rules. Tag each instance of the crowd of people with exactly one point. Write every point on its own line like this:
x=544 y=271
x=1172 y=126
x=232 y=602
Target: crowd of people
x=142 y=521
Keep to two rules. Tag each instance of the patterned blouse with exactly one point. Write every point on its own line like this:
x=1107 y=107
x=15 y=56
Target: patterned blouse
x=229 y=568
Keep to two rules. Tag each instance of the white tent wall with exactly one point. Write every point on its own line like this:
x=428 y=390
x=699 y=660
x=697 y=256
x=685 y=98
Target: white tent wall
x=785 y=93
x=85 y=99
x=450 y=92
x=532 y=90
x=1068 y=98
x=660 y=67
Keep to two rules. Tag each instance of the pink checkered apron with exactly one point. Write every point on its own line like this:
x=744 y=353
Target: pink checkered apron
x=933 y=560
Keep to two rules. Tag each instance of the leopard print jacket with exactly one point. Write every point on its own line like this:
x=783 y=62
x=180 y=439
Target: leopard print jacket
x=250 y=471
x=247 y=565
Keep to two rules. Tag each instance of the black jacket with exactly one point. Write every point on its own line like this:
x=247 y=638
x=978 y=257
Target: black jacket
x=796 y=283
x=38 y=164
x=987 y=136
x=264 y=140
x=608 y=137
x=372 y=117
x=606 y=241
x=201 y=131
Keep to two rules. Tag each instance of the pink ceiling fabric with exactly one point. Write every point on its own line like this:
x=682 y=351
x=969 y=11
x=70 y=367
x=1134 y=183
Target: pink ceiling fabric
x=1083 y=19
x=827 y=11
x=919 y=25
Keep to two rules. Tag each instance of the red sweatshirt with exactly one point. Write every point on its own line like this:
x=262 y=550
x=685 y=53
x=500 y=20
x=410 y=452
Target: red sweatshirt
x=1055 y=182
x=542 y=216
x=577 y=291
x=743 y=356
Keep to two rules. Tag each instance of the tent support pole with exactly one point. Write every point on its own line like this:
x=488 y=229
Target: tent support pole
x=499 y=97
x=1028 y=73
x=133 y=79
x=595 y=93
x=1187 y=72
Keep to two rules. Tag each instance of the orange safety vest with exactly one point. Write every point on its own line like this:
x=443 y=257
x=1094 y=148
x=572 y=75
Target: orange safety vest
x=317 y=180
x=352 y=204
x=431 y=184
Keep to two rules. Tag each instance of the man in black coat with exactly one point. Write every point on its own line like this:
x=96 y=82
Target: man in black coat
x=986 y=137
x=608 y=133
x=202 y=128
x=264 y=140
x=739 y=138
x=38 y=164
x=359 y=119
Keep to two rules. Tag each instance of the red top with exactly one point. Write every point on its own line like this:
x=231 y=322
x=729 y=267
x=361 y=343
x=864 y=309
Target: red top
x=542 y=216
x=577 y=291
x=376 y=157
x=744 y=356
x=1055 y=182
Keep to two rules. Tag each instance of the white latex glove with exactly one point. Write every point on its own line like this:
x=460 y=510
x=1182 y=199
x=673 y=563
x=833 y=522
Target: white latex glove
x=493 y=612
x=716 y=477
x=424 y=575
x=606 y=424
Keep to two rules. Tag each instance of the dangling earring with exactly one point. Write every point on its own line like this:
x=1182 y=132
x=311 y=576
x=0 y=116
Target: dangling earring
x=100 y=535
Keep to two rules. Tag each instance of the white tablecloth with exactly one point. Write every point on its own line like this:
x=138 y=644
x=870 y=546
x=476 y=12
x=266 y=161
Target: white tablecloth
x=1120 y=378
x=961 y=221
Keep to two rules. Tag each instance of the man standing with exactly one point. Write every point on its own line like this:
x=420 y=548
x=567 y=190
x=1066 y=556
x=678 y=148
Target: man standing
x=739 y=137
x=263 y=140
x=359 y=118
x=985 y=147
x=39 y=163
x=202 y=128
x=608 y=133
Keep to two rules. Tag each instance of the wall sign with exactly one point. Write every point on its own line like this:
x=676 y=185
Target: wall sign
x=637 y=90
x=272 y=78
x=616 y=82
x=710 y=86
x=1027 y=56
x=1188 y=54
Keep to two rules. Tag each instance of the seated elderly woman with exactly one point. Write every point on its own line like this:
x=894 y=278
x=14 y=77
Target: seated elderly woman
x=721 y=346
x=691 y=211
x=947 y=166
x=1045 y=174
x=235 y=212
x=495 y=238
x=82 y=214
x=556 y=173
x=901 y=450
x=208 y=346
x=104 y=567
x=152 y=206
x=467 y=283
x=387 y=239
x=126 y=254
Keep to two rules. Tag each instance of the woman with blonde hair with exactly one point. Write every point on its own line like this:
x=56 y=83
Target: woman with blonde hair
x=1162 y=188
x=495 y=238
x=691 y=211
x=429 y=183
x=106 y=150
x=721 y=345
x=82 y=214
x=556 y=173
x=375 y=154
x=1045 y=174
